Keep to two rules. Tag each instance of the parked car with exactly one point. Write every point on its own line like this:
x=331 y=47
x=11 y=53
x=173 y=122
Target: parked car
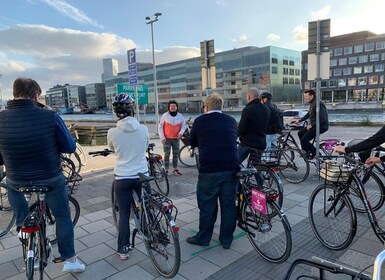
x=295 y=114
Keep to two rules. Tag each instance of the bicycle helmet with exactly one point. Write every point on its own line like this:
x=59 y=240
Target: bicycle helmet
x=266 y=95
x=123 y=106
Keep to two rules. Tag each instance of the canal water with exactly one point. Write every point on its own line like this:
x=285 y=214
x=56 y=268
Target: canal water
x=337 y=116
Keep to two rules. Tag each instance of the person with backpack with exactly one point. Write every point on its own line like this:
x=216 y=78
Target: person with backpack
x=275 y=122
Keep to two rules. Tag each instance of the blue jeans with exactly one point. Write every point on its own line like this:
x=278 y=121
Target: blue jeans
x=57 y=200
x=210 y=187
x=271 y=141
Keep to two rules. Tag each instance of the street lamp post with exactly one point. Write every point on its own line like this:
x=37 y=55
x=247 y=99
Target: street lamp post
x=151 y=21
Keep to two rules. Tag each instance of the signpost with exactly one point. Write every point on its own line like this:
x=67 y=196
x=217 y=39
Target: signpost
x=132 y=76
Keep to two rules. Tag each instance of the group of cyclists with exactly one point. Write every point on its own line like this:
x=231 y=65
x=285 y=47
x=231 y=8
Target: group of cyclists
x=32 y=138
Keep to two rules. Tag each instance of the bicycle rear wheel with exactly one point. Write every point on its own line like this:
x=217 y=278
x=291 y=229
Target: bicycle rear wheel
x=269 y=235
x=7 y=217
x=293 y=165
x=187 y=156
x=51 y=221
x=161 y=241
x=161 y=178
x=332 y=217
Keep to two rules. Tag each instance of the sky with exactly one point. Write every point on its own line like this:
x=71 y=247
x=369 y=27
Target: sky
x=65 y=41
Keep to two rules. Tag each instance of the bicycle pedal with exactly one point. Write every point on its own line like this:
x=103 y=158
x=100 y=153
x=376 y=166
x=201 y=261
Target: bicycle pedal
x=57 y=260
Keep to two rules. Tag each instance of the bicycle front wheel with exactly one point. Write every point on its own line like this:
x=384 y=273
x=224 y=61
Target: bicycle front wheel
x=293 y=165
x=270 y=235
x=161 y=241
x=7 y=217
x=332 y=217
x=30 y=255
x=68 y=168
x=51 y=221
x=187 y=156
x=161 y=179
x=82 y=155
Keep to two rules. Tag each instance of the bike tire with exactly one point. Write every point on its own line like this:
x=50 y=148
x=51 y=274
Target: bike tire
x=51 y=221
x=187 y=156
x=161 y=241
x=30 y=257
x=374 y=189
x=115 y=208
x=7 y=217
x=269 y=235
x=161 y=178
x=293 y=165
x=82 y=155
x=76 y=160
x=337 y=229
x=41 y=254
x=68 y=168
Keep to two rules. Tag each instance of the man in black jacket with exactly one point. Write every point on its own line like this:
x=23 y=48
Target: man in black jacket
x=308 y=133
x=252 y=125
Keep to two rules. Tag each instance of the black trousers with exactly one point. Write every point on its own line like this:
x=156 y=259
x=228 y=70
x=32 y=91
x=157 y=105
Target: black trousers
x=306 y=136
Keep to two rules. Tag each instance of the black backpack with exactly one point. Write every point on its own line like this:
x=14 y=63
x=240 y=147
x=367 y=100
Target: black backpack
x=277 y=118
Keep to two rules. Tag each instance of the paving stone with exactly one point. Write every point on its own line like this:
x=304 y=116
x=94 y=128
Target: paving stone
x=220 y=256
x=198 y=268
x=8 y=270
x=134 y=272
x=97 y=226
x=98 y=215
x=95 y=253
x=96 y=238
x=96 y=271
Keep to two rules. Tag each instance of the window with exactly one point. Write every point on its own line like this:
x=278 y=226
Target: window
x=374 y=57
x=373 y=80
x=297 y=72
x=285 y=71
x=296 y=81
x=274 y=70
x=333 y=62
x=291 y=81
x=363 y=59
x=358 y=48
x=338 y=52
x=380 y=45
x=382 y=56
x=362 y=81
x=341 y=82
x=352 y=82
x=291 y=62
x=343 y=61
x=347 y=71
x=369 y=47
x=285 y=62
x=285 y=81
x=368 y=69
x=274 y=60
x=378 y=67
x=332 y=83
x=357 y=70
x=324 y=84
x=353 y=60
x=337 y=72
x=348 y=50
x=381 y=79
x=291 y=72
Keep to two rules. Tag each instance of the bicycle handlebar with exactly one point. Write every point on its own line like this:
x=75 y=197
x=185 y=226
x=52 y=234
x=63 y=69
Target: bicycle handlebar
x=104 y=153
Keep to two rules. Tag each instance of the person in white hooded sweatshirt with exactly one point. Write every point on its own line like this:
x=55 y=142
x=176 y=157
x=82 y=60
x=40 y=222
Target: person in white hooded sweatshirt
x=129 y=140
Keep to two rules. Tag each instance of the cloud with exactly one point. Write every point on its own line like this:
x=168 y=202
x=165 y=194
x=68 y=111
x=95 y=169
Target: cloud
x=221 y=3
x=322 y=13
x=241 y=39
x=300 y=34
x=273 y=37
x=70 y=11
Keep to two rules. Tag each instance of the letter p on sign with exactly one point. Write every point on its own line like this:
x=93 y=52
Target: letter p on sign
x=131 y=56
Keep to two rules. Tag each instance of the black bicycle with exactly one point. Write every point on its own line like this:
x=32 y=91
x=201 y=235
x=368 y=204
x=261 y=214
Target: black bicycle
x=264 y=222
x=7 y=217
x=187 y=155
x=154 y=215
x=157 y=170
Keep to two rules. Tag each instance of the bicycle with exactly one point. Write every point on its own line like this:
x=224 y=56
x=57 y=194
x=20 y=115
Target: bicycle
x=264 y=222
x=156 y=169
x=154 y=215
x=78 y=157
x=188 y=155
x=332 y=215
x=7 y=218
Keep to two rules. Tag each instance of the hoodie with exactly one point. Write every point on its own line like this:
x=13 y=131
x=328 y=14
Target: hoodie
x=129 y=140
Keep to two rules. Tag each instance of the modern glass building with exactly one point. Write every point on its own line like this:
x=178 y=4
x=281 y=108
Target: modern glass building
x=356 y=68
x=270 y=68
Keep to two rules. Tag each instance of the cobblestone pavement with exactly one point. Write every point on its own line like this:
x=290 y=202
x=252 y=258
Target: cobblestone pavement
x=96 y=236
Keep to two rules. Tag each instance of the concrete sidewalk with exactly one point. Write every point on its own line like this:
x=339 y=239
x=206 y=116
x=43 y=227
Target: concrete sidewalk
x=96 y=236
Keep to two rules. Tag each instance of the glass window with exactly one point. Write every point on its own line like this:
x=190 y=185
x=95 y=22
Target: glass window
x=333 y=62
x=353 y=60
x=337 y=72
x=291 y=62
x=357 y=70
x=348 y=50
x=368 y=69
x=380 y=45
x=341 y=82
x=347 y=71
x=291 y=72
x=358 y=48
x=338 y=52
x=296 y=81
x=297 y=72
x=374 y=57
x=343 y=61
x=285 y=62
x=332 y=83
x=369 y=47
x=291 y=81
x=363 y=59
x=285 y=71
x=373 y=80
x=381 y=79
x=382 y=56
x=352 y=82
x=362 y=81
x=274 y=70
x=274 y=60
x=378 y=67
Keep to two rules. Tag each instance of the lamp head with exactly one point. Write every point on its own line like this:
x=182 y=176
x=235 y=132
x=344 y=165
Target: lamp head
x=147 y=18
x=157 y=14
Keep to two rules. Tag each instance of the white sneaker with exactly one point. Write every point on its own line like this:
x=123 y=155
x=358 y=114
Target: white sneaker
x=75 y=266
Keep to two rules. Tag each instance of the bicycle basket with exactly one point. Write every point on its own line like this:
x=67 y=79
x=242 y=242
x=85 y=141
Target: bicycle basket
x=334 y=171
x=73 y=183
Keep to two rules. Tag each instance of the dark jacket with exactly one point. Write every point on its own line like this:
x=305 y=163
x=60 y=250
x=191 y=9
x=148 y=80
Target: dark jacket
x=270 y=123
x=31 y=140
x=370 y=143
x=253 y=124
x=323 y=115
x=215 y=134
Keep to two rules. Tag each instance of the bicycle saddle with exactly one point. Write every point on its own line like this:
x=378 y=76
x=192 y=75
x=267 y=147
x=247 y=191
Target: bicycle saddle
x=34 y=189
